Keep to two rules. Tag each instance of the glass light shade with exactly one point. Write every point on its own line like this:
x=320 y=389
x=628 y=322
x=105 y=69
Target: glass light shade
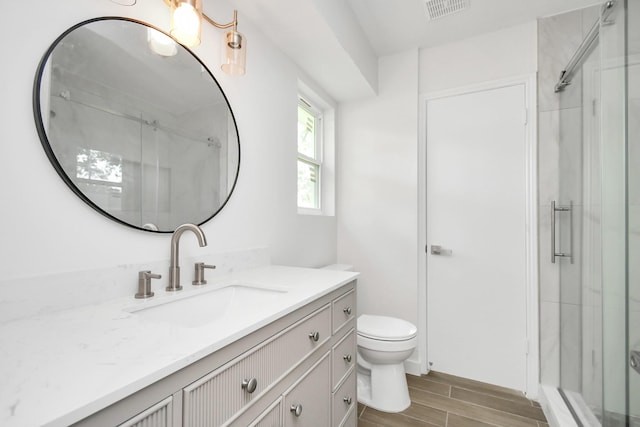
x=234 y=53
x=160 y=43
x=186 y=22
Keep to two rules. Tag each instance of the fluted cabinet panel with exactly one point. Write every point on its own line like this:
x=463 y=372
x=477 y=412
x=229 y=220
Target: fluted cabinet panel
x=160 y=415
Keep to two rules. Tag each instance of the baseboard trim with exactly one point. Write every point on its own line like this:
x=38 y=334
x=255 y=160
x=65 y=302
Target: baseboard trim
x=412 y=367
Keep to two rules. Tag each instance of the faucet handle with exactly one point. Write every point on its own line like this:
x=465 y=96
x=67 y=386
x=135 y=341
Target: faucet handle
x=144 y=284
x=199 y=274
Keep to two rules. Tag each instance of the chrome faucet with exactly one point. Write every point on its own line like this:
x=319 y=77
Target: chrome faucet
x=174 y=268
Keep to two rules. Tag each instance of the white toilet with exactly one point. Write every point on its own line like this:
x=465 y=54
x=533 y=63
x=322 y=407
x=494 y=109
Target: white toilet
x=384 y=343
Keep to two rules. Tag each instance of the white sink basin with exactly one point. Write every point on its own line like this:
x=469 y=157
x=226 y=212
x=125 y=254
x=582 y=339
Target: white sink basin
x=203 y=307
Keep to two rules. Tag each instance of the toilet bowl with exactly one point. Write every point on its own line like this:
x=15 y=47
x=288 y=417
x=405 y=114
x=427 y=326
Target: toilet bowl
x=384 y=343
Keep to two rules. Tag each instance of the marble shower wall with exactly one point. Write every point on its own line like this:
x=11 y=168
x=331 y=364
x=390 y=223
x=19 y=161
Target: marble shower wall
x=558 y=38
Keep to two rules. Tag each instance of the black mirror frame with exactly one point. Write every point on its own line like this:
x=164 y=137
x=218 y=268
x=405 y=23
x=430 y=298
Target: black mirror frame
x=44 y=140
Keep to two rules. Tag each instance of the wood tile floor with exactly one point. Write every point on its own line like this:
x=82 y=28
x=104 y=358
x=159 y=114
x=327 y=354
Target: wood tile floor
x=441 y=400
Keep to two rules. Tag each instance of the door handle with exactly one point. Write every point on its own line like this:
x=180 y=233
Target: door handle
x=439 y=250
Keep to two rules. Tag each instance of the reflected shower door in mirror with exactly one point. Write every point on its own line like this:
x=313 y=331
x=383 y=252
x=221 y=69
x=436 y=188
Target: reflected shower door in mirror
x=136 y=125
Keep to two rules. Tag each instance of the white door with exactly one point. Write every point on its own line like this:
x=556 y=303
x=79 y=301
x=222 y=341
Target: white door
x=476 y=289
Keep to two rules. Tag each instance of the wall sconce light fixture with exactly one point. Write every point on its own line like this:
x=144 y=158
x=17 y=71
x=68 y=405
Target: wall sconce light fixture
x=186 y=27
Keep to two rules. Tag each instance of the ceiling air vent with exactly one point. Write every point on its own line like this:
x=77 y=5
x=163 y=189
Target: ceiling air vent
x=439 y=8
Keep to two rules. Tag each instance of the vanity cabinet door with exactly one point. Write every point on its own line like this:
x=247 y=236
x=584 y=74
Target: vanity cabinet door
x=271 y=417
x=344 y=309
x=306 y=403
x=159 y=415
x=345 y=399
x=343 y=357
x=351 y=420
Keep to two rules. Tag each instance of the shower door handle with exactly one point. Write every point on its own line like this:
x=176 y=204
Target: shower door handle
x=554 y=210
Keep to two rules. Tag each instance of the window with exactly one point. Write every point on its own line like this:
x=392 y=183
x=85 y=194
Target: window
x=309 y=155
x=98 y=166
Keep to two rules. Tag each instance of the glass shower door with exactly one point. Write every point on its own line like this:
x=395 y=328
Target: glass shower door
x=577 y=215
x=633 y=209
x=615 y=261
x=598 y=226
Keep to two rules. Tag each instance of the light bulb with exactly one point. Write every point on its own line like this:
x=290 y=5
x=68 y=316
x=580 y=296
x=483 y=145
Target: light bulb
x=186 y=23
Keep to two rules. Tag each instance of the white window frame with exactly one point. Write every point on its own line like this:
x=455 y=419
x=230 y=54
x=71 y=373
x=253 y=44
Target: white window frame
x=324 y=105
x=317 y=159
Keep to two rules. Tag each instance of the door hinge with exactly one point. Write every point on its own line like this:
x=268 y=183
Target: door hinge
x=525 y=115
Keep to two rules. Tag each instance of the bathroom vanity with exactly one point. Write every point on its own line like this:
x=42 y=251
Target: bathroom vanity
x=285 y=358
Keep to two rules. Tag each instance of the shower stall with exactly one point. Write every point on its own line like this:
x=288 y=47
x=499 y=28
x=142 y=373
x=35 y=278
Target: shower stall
x=595 y=223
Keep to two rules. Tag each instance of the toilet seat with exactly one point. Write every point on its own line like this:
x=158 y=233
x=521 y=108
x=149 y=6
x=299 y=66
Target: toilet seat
x=385 y=328
x=386 y=346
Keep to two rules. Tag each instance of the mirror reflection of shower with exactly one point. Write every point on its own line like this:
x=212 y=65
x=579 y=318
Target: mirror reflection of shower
x=143 y=135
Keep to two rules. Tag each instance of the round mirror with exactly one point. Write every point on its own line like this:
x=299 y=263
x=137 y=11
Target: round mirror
x=136 y=125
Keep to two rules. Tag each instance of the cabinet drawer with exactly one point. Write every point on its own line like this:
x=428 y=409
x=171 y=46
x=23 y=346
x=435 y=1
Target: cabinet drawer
x=344 y=357
x=352 y=418
x=216 y=398
x=307 y=397
x=159 y=415
x=271 y=417
x=344 y=399
x=344 y=309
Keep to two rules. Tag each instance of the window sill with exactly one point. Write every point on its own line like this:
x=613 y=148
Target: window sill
x=310 y=211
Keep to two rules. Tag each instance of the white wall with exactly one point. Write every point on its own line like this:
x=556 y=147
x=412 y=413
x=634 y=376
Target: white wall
x=377 y=194
x=47 y=229
x=493 y=56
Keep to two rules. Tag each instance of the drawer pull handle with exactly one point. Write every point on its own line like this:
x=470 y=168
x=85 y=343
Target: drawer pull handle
x=296 y=409
x=347 y=311
x=250 y=385
x=347 y=400
x=347 y=358
x=314 y=336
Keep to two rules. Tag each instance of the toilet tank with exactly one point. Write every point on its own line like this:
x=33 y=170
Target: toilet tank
x=338 y=267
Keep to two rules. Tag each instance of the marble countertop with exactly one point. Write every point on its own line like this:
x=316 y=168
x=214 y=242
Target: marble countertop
x=59 y=368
